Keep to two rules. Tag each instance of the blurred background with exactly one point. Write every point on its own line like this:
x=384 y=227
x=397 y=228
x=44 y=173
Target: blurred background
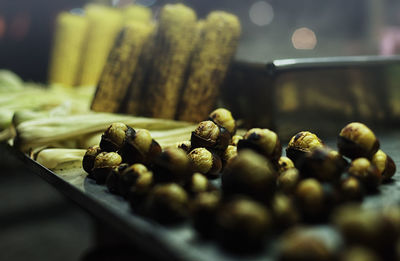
x=272 y=29
x=36 y=221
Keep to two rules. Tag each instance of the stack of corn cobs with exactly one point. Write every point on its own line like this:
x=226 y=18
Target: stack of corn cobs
x=261 y=190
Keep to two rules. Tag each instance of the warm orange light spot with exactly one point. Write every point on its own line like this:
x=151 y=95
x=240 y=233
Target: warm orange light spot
x=2 y=27
x=20 y=25
x=304 y=39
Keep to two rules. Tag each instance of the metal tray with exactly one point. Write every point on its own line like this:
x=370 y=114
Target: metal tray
x=181 y=242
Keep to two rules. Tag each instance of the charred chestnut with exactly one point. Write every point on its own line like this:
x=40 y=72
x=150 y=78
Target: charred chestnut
x=385 y=165
x=222 y=117
x=211 y=136
x=104 y=163
x=356 y=140
x=288 y=180
x=114 y=137
x=88 y=159
x=302 y=143
x=285 y=163
x=366 y=172
x=251 y=174
x=322 y=164
x=140 y=148
x=172 y=165
x=203 y=210
x=263 y=141
x=206 y=162
x=167 y=203
x=242 y=224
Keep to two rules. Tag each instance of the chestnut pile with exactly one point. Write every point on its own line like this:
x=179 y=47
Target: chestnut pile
x=261 y=192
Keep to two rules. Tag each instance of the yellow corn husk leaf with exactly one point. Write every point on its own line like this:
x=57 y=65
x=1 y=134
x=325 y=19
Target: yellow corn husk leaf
x=212 y=56
x=68 y=41
x=39 y=132
x=172 y=49
x=104 y=24
x=118 y=72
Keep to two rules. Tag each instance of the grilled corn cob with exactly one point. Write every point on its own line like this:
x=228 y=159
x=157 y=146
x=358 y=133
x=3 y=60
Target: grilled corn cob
x=104 y=24
x=67 y=48
x=213 y=53
x=120 y=67
x=135 y=91
x=137 y=13
x=173 y=46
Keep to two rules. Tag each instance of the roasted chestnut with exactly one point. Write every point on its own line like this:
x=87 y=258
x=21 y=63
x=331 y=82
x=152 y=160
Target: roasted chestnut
x=206 y=162
x=114 y=137
x=356 y=140
x=198 y=183
x=211 y=136
x=358 y=253
x=185 y=146
x=288 y=180
x=284 y=211
x=222 y=117
x=203 y=210
x=263 y=141
x=88 y=159
x=366 y=172
x=129 y=176
x=167 y=203
x=242 y=224
x=113 y=178
x=172 y=165
x=300 y=244
x=230 y=153
x=322 y=164
x=366 y=227
x=235 y=139
x=351 y=189
x=385 y=165
x=251 y=174
x=310 y=198
x=139 y=191
x=140 y=148
x=302 y=143
x=104 y=163
x=285 y=163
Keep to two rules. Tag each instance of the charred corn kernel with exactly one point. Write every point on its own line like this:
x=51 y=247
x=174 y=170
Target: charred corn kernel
x=173 y=46
x=69 y=37
x=104 y=24
x=214 y=51
x=122 y=62
x=137 y=13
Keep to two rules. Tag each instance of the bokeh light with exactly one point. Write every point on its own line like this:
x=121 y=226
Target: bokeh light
x=261 y=13
x=2 y=27
x=304 y=39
